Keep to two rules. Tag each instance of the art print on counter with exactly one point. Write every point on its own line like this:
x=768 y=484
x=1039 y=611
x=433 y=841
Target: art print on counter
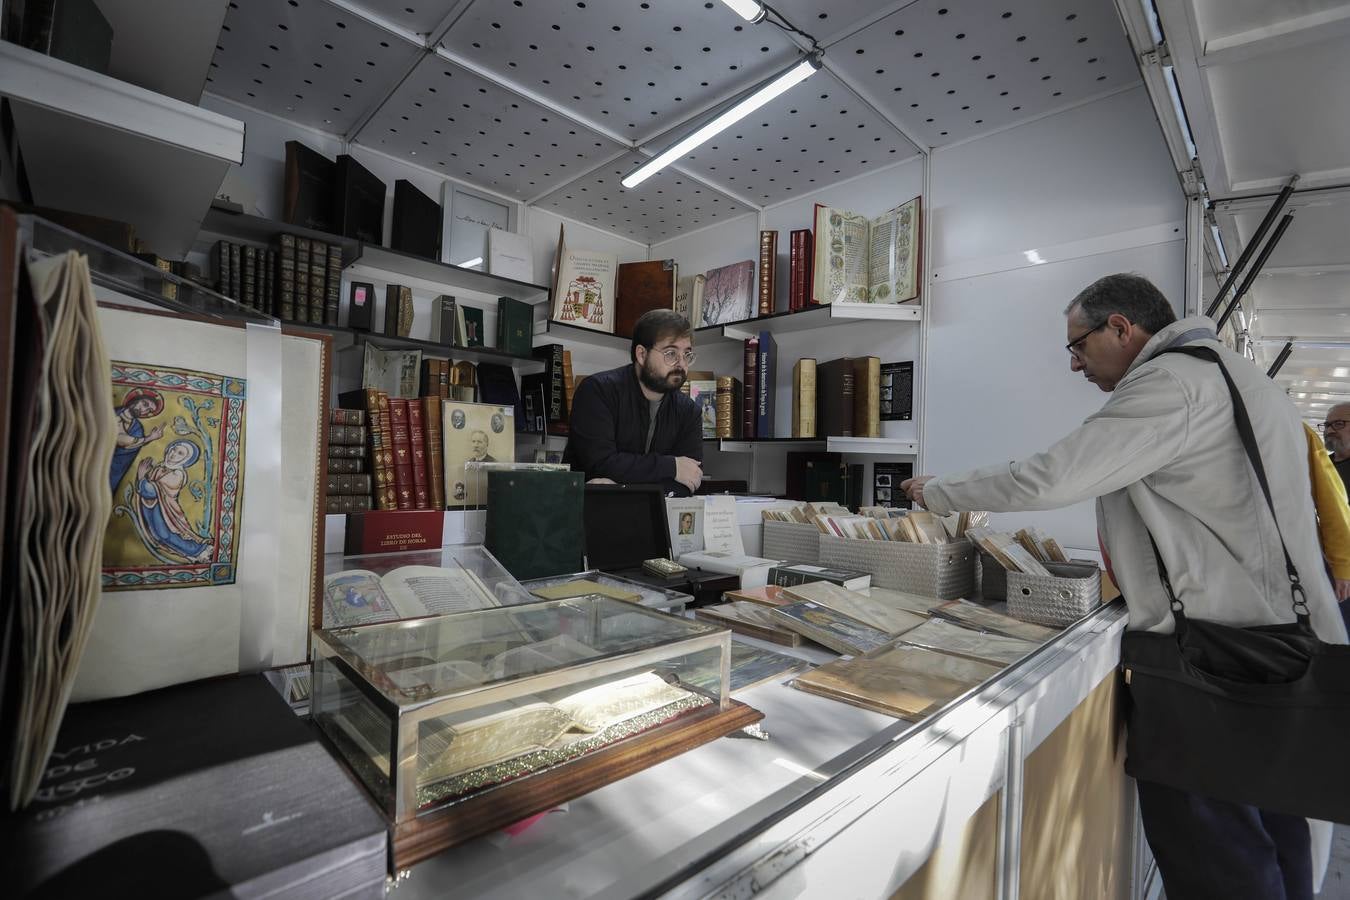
x=474 y=432
x=176 y=478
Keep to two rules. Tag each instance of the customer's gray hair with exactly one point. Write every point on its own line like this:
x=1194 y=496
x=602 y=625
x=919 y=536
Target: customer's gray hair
x=1133 y=296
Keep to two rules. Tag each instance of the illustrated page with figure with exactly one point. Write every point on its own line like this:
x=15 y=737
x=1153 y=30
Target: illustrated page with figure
x=861 y=260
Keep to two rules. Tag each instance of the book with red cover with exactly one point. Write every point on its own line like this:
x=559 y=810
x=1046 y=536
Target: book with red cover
x=391 y=531
x=401 y=444
x=431 y=416
x=639 y=287
x=750 y=375
x=417 y=441
x=768 y=271
x=799 y=271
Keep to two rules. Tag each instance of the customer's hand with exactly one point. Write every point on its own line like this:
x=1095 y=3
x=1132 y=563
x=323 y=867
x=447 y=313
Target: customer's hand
x=913 y=488
x=1342 y=586
x=688 y=472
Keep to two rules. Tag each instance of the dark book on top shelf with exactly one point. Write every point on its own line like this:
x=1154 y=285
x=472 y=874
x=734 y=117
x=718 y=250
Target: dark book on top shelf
x=361 y=308
x=308 y=197
x=515 y=326
x=358 y=201
x=212 y=788
x=834 y=398
x=897 y=391
x=766 y=381
x=398 y=310
x=417 y=222
x=642 y=286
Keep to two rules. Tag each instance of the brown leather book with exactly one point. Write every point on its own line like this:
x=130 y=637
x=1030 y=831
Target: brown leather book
x=639 y=287
x=431 y=423
x=768 y=271
x=400 y=442
x=417 y=442
x=834 y=398
x=866 y=396
x=799 y=269
x=730 y=406
x=376 y=406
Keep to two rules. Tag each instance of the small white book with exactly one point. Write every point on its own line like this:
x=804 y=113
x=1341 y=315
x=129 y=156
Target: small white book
x=509 y=255
x=754 y=570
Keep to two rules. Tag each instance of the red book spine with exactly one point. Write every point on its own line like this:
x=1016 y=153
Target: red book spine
x=418 y=441
x=402 y=447
x=750 y=375
x=808 y=268
x=794 y=271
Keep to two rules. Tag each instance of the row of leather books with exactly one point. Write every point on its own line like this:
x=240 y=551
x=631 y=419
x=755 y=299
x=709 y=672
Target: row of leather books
x=348 y=483
x=404 y=444
x=296 y=279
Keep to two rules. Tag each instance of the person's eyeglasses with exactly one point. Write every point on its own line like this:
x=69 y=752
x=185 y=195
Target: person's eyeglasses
x=672 y=356
x=1075 y=346
x=1335 y=425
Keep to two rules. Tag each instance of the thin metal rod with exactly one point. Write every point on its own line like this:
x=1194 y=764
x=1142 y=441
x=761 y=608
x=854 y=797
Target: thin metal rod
x=1279 y=360
x=1256 y=268
x=1255 y=242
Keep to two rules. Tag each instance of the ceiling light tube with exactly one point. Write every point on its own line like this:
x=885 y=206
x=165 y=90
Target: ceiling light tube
x=749 y=10
x=779 y=85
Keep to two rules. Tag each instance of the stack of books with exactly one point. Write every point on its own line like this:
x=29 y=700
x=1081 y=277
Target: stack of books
x=349 y=481
x=296 y=279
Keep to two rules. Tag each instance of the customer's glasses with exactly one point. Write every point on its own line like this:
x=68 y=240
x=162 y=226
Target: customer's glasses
x=1075 y=346
x=672 y=355
x=1334 y=425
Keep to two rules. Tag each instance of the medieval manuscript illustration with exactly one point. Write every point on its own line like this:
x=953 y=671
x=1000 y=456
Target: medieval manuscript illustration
x=176 y=478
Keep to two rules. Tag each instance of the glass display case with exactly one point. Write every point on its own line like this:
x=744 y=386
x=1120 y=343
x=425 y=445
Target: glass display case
x=556 y=587
x=462 y=723
x=380 y=587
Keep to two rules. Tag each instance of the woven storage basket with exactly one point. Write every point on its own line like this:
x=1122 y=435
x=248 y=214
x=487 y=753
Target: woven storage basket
x=944 y=571
x=797 y=542
x=1074 y=591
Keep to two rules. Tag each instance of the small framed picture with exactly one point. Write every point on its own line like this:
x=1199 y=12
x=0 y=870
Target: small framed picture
x=883 y=481
x=882 y=494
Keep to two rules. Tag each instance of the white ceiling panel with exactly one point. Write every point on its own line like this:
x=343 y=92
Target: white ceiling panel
x=830 y=20
x=664 y=206
x=1218 y=20
x=948 y=70
x=449 y=119
x=1315 y=238
x=633 y=68
x=816 y=134
x=417 y=16
x=306 y=61
x=1325 y=290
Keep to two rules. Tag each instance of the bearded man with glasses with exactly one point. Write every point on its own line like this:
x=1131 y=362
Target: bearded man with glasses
x=631 y=425
x=1336 y=435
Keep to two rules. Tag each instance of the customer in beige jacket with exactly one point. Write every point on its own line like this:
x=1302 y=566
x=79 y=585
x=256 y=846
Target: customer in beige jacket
x=1163 y=454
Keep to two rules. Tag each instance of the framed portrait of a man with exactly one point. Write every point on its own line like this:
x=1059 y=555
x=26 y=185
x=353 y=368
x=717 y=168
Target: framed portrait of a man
x=474 y=432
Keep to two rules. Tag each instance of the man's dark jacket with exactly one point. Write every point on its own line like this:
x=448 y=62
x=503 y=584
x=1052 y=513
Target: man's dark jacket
x=608 y=431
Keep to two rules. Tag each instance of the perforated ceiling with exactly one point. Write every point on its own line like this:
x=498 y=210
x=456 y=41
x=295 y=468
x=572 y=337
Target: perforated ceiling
x=812 y=136
x=447 y=118
x=541 y=96
x=668 y=203
x=948 y=70
x=635 y=68
x=306 y=61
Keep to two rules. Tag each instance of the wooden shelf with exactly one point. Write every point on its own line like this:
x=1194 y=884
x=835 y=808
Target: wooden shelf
x=95 y=145
x=807 y=319
x=879 y=446
x=395 y=262
x=554 y=332
x=431 y=348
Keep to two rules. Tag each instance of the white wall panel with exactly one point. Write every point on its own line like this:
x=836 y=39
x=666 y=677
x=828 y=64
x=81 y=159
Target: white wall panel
x=999 y=385
x=718 y=245
x=543 y=232
x=1093 y=170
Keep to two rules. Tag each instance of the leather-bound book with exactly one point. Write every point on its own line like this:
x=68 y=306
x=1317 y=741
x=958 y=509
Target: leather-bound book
x=361 y=309
x=376 y=405
x=417 y=222
x=398 y=310
x=799 y=272
x=332 y=299
x=730 y=402
x=834 y=398
x=768 y=271
x=515 y=326
x=749 y=404
x=318 y=281
x=443 y=320
x=766 y=384
x=236 y=272
x=639 y=287
x=435 y=443
x=400 y=441
x=556 y=408
x=417 y=442
x=302 y=246
x=358 y=201
x=285 y=286
x=866 y=396
x=804 y=398
x=308 y=197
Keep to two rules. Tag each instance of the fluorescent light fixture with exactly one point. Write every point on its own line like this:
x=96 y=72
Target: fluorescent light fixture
x=470 y=263
x=749 y=10
x=779 y=85
x=1218 y=243
x=1178 y=109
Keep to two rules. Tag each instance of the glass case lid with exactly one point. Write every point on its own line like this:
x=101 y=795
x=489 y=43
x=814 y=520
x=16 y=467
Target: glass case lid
x=410 y=662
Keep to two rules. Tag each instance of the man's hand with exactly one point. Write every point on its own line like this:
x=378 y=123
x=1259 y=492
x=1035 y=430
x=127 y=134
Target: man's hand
x=688 y=472
x=913 y=488
x=1342 y=586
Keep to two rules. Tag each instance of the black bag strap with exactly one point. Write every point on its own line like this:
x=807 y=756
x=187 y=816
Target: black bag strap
x=1248 y=436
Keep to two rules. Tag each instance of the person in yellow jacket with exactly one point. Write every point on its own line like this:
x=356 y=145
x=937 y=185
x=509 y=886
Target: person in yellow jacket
x=1333 y=517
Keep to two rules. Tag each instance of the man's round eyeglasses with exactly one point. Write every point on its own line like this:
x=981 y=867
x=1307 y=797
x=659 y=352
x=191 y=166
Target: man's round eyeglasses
x=672 y=356
x=1075 y=346
x=1335 y=425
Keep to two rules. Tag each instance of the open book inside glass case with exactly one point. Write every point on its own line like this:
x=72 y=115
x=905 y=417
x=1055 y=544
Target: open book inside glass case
x=382 y=587
x=439 y=711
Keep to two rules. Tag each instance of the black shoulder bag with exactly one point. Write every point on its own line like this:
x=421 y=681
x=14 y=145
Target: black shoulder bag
x=1258 y=716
